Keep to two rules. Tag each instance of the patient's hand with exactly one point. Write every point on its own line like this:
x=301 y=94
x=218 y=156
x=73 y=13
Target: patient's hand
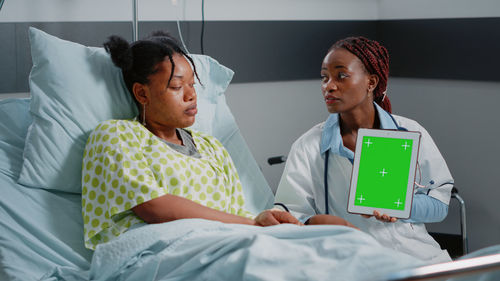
x=329 y=219
x=380 y=217
x=274 y=217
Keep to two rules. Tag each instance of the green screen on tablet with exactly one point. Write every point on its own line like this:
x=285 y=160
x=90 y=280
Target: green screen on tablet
x=383 y=172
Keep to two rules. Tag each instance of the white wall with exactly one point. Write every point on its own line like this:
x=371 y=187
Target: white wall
x=274 y=114
x=149 y=10
x=159 y=10
x=14 y=95
x=65 y=10
x=411 y=9
x=263 y=9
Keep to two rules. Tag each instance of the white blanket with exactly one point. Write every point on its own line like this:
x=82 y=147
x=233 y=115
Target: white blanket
x=205 y=250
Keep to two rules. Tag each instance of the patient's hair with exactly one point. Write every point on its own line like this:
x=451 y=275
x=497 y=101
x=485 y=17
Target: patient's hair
x=139 y=60
x=375 y=57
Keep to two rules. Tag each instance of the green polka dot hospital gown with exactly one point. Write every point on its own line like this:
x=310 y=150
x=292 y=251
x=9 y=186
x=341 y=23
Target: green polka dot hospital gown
x=124 y=165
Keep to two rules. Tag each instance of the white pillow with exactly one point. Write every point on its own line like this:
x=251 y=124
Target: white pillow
x=74 y=88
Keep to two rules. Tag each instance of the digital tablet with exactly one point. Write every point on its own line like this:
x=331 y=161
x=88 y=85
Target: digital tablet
x=383 y=172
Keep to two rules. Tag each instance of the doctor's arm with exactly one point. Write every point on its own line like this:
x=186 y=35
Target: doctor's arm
x=430 y=204
x=426 y=209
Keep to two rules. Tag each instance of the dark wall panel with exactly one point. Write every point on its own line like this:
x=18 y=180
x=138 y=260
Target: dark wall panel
x=255 y=50
x=86 y=33
x=268 y=50
x=462 y=49
x=259 y=51
x=8 y=70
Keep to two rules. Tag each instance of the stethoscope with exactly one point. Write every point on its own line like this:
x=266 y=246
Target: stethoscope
x=327 y=153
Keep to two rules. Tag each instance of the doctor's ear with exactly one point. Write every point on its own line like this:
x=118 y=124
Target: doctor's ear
x=372 y=82
x=140 y=92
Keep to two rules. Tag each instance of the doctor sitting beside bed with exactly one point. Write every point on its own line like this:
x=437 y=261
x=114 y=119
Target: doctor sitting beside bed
x=354 y=76
x=151 y=169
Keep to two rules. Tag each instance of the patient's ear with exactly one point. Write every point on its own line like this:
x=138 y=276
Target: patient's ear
x=140 y=93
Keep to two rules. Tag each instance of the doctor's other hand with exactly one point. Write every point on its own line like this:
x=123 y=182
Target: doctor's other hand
x=329 y=219
x=383 y=218
x=274 y=217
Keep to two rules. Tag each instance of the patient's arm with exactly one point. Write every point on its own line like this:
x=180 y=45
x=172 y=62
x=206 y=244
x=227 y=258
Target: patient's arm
x=171 y=207
x=328 y=219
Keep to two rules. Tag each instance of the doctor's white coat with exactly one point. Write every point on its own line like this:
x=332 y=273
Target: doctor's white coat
x=301 y=189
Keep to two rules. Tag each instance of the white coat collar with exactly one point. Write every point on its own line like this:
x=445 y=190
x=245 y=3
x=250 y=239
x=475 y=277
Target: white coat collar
x=331 y=138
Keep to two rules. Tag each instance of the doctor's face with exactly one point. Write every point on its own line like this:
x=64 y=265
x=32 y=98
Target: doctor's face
x=345 y=82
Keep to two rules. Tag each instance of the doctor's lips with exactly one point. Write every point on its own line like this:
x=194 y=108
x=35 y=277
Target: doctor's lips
x=331 y=99
x=191 y=110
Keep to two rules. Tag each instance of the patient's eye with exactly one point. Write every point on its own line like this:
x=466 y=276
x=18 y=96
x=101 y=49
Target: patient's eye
x=175 y=87
x=324 y=78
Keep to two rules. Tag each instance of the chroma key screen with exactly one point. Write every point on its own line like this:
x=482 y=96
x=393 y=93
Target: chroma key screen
x=383 y=172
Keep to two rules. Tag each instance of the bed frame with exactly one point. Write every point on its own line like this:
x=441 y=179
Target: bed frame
x=461 y=268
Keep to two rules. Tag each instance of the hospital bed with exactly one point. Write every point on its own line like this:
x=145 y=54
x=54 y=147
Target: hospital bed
x=74 y=87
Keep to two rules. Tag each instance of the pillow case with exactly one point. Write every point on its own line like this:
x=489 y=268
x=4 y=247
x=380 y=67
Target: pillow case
x=73 y=88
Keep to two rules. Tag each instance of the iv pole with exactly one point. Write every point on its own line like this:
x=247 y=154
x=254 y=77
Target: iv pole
x=134 y=21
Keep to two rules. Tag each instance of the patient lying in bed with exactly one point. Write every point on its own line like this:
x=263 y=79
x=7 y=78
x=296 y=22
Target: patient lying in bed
x=151 y=169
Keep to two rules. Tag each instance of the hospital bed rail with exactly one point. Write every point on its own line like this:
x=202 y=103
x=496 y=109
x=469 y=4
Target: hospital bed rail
x=470 y=268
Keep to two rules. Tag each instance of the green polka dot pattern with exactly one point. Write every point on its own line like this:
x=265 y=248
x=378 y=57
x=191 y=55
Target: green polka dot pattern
x=125 y=165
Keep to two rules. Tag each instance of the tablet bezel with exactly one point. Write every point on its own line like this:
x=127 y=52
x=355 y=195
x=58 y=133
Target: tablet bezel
x=401 y=214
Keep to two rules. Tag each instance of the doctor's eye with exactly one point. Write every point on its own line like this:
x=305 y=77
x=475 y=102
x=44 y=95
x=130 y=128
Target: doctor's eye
x=342 y=75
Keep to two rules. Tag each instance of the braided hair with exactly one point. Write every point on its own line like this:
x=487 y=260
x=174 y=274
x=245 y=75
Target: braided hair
x=139 y=60
x=375 y=58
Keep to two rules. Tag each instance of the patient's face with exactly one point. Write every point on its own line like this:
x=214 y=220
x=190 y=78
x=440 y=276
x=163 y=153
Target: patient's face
x=172 y=105
x=344 y=82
